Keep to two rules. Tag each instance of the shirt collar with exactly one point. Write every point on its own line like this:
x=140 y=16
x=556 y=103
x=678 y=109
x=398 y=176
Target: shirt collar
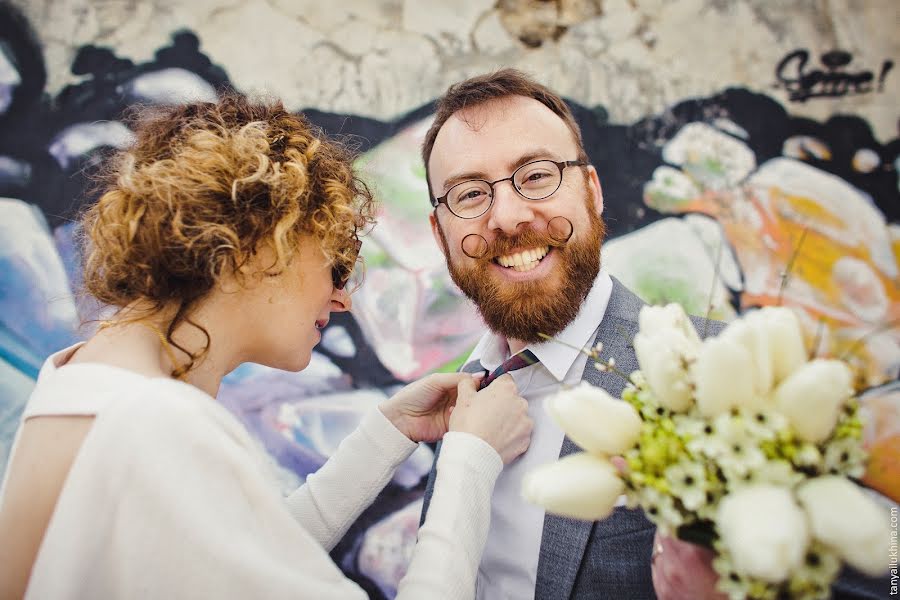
x=492 y=349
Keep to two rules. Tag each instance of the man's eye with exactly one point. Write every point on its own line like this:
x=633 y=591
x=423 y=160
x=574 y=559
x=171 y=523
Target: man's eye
x=471 y=195
x=536 y=176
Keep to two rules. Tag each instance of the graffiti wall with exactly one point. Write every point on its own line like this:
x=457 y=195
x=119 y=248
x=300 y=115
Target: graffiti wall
x=748 y=155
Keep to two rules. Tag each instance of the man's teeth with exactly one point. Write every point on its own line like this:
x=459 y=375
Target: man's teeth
x=525 y=260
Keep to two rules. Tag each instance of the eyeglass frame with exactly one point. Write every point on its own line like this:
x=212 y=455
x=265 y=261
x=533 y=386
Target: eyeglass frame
x=340 y=274
x=561 y=165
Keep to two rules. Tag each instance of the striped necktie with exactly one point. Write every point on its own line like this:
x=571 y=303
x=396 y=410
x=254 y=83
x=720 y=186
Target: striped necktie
x=518 y=361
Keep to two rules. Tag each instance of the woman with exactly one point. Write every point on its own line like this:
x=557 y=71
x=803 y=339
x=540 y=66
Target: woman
x=226 y=235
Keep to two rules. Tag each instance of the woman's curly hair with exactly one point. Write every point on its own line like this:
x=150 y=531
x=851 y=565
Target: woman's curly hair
x=202 y=188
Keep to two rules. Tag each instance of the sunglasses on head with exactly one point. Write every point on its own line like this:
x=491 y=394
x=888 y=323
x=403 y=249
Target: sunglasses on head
x=340 y=273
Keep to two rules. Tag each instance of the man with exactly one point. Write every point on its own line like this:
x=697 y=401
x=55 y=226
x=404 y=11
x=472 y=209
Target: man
x=510 y=181
x=518 y=217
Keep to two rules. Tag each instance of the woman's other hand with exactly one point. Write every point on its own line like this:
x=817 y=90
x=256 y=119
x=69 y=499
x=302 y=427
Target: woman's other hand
x=421 y=410
x=683 y=571
x=497 y=414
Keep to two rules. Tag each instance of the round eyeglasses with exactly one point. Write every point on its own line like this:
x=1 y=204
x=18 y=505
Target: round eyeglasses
x=536 y=180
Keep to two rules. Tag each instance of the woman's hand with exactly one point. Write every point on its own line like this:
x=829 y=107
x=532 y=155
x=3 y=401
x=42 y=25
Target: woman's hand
x=496 y=414
x=421 y=410
x=683 y=571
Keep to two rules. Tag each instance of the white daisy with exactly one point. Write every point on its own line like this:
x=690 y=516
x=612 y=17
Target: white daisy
x=688 y=483
x=845 y=456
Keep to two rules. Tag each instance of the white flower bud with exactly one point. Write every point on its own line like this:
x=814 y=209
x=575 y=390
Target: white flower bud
x=811 y=398
x=663 y=357
x=580 y=486
x=785 y=340
x=752 y=334
x=595 y=420
x=671 y=316
x=764 y=531
x=849 y=521
x=723 y=377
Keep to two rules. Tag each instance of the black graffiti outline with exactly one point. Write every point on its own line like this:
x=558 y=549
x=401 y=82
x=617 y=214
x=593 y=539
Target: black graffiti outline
x=829 y=83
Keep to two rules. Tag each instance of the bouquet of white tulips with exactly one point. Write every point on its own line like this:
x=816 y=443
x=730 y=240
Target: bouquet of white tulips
x=739 y=442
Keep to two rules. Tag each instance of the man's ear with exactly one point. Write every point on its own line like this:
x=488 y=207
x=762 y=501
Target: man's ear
x=596 y=188
x=435 y=231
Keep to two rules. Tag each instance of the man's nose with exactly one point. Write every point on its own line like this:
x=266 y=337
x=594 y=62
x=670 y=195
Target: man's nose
x=510 y=209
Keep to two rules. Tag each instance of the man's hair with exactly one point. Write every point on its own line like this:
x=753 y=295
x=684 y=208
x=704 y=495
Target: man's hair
x=492 y=86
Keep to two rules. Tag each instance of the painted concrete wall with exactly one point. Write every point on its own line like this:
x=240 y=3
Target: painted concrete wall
x=734 y=140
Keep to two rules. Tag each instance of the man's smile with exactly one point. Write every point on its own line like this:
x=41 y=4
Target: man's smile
x=523 y=260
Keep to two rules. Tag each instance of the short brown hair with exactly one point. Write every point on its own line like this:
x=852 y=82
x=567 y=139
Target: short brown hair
x=491 y=86
x=201 y=189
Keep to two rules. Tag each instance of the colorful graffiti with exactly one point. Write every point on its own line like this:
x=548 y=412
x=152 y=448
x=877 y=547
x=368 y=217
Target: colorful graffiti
x=720 y=203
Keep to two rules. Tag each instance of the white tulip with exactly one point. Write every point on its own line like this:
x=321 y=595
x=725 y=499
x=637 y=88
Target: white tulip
x=764 y=531
x=671 y=316
x=811 y=398
x=664 y=356
x=752 y=334
x=785 y=340
x=849 y=521
x=723 y=377
x=580 y=486
x=595 y=420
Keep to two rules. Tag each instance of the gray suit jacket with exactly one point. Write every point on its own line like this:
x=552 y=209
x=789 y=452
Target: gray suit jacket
x=610 y=559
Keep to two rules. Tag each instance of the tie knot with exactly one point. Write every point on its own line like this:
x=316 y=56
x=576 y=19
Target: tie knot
x=513 y=363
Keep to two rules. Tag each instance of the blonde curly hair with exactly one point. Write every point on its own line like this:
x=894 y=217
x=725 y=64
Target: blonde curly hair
x=202 y=188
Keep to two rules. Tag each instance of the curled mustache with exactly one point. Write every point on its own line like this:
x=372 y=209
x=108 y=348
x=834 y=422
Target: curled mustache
x=559 y=231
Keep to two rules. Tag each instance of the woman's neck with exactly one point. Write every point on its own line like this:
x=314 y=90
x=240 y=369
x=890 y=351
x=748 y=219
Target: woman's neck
x=139 y=342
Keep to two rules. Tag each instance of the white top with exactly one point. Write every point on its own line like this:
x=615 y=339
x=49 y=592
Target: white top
x=510 y=562
x=170 y=497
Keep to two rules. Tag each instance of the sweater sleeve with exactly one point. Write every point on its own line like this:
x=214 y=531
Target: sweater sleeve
x=446 y=558
x=334 y=496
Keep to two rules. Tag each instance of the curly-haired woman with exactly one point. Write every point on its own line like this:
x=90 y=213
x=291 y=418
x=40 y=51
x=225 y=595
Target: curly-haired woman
x=226 y=234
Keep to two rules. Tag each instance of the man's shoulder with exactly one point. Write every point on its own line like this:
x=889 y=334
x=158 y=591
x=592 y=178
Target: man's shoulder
x=625 y=305
x=706 y=327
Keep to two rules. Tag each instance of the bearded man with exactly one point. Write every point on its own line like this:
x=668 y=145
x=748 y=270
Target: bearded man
x=517 y=214
x=518 y=217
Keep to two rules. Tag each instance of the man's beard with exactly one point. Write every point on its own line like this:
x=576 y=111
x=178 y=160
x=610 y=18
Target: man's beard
x=522 y=310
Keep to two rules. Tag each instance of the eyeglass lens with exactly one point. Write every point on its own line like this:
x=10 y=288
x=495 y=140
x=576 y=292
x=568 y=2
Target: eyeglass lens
x=534 y=181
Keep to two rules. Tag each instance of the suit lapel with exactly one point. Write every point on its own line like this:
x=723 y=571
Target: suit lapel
x=564 y=540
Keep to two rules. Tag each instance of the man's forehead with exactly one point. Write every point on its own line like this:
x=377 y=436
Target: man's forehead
x=503 y=112
x=505 y=127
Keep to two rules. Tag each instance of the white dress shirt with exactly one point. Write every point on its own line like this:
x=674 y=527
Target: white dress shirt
x=509 y=565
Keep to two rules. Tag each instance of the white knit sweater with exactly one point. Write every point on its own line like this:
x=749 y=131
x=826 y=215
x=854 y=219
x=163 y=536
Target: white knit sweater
x=170 y=497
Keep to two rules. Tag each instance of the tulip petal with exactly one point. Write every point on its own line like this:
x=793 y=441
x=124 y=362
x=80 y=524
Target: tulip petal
x=579 y=486
x=723 y=377
x=764 y=531
x=595 y=420
x=844 y=518
x=752 y=334
x=671 y=316
x=663 y=357
x=785 y=340
x=812 y=396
